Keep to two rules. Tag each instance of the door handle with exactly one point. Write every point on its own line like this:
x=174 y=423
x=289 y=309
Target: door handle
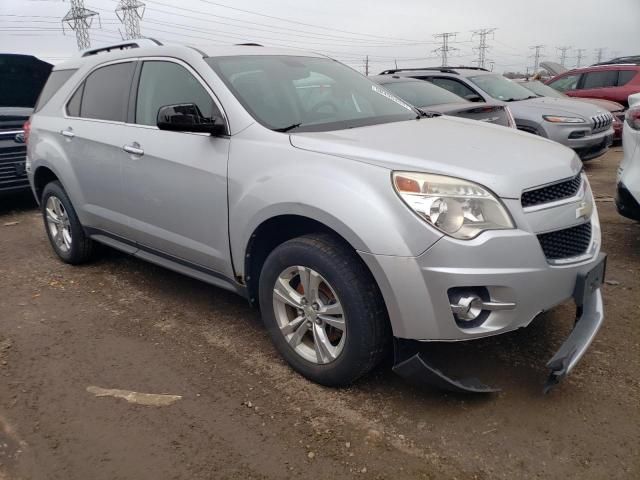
x=133 y=149
x=68 y=133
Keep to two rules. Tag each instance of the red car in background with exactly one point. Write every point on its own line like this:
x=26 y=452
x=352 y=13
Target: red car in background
x=613 y=82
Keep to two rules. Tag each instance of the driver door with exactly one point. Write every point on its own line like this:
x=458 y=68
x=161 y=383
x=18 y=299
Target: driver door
x=175 y=183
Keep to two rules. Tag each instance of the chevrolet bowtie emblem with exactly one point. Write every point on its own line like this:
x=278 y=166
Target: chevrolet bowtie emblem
x=584 y=210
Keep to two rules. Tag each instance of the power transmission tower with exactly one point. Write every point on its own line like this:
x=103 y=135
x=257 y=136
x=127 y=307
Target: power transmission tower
x=536 y=57
x=482 y=45
x=599 y=52
x=366 y=66
x=130 y=12
x=445 y=48
x=579 y=56
x=563 y=55
x=79 y=19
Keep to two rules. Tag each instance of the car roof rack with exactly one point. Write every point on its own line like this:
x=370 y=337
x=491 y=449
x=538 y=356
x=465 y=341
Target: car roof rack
x=437 y=69
x=628 y=60
x=137 y=43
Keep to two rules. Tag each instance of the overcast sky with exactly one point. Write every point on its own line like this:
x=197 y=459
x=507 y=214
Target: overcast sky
x=348 y=30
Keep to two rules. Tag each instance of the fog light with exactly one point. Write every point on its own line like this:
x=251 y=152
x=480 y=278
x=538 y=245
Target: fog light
x=471 y=305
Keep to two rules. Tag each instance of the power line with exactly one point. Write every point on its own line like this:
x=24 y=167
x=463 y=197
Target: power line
x=599 y=53
x=445 y=48
x=80 y=19
x=536 y=57
x=482 y=45
x=130 y=12
x=563 y=54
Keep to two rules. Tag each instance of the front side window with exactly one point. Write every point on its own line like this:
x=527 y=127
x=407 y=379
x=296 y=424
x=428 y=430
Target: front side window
x=604 y=79
x=501 y=88
x=307 y=93
x=167 y=83
x=570 y=82
x=106 y=92
x=423 y=94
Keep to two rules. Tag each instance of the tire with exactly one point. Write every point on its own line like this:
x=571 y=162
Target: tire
x=342 y=283
x=66 y=234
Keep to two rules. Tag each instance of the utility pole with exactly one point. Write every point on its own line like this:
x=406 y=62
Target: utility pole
x=536 y=57
x=599 y=52
x=366 y=66
x=445 y=48
x=482 y=45
x=563 y=55
x=79 y=19
x=130 y=12
x=579 y=56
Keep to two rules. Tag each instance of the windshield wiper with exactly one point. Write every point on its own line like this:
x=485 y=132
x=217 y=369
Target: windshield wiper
x=520 y=99
x=286 y=129
x=427 y=114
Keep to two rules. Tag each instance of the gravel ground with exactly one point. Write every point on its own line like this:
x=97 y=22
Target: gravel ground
x=70 y=334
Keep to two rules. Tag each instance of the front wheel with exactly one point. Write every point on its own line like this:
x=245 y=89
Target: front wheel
x=323 y=310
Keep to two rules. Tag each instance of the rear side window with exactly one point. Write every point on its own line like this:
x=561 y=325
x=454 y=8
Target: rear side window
x=625 y=76
x=570 y=82
x=607 y=78
x=167 y=83
x=106 y=92
x=55 y=81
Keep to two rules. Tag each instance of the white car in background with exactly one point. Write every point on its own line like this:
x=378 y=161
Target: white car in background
x=628 y=192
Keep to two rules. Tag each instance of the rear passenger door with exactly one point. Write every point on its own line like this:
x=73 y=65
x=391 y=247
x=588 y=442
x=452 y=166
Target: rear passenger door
x=598 y=84
x=93 y=129
x=176 y=182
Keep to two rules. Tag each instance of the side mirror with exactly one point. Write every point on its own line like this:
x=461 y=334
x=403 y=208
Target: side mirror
x=186 y=117
x=472 y=97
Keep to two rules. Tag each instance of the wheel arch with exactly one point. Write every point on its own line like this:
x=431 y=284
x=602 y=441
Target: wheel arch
x=42 y=176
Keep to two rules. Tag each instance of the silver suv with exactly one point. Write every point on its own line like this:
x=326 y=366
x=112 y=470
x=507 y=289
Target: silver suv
x=584 y=127
x=355 y=222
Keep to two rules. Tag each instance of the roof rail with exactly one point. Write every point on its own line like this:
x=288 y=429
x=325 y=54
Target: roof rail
x=137 y=43
x=249 y=44
x=437 y=69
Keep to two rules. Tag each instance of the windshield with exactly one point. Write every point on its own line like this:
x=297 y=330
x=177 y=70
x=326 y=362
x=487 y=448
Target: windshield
x=543 y=90
x=307 y=94
x=423 y=94
x=501 y=88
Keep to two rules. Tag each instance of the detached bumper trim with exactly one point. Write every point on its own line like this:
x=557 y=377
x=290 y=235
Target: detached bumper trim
x=589 y=321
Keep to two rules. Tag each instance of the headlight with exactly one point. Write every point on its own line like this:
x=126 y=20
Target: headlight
x=456 y=207
x=559 y=119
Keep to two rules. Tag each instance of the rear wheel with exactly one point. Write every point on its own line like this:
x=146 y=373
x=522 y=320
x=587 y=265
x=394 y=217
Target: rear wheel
x=323 y=310
x=65 y=232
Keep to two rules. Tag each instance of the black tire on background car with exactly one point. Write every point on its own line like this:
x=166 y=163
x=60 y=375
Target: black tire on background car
x=323 y=309
x=65 y=232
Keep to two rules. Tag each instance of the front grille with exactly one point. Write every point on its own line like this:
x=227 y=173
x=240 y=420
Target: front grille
x=552 y=193
x=567 y=243
x=601 y=122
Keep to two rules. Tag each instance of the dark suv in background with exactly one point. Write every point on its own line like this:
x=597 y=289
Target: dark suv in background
x=609 y=82
x=21 y=80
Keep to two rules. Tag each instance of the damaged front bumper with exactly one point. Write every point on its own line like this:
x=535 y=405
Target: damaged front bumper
x=411 y=363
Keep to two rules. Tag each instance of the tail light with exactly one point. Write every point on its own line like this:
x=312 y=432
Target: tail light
x=633 y=117
x=27 y=130
x=512 y=121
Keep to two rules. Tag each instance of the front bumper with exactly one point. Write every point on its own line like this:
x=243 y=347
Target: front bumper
x=589 y=146
x=625 y=203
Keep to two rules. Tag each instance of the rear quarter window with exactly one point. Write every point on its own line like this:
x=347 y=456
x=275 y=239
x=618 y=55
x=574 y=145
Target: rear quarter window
x=55 y=81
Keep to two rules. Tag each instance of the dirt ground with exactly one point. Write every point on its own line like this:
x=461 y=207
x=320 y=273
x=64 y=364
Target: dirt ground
x=118 y=323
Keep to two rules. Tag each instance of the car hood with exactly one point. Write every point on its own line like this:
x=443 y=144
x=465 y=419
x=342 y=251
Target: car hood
x=602 y=104
x=554 y=106
x=502 y=159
